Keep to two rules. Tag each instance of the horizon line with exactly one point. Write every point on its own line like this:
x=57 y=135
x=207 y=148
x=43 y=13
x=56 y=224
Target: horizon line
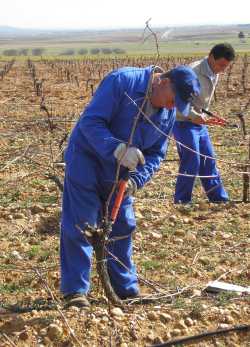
x=105 y=28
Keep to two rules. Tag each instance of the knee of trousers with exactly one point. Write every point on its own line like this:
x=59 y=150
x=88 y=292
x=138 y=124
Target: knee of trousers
x=190 y=164
x=125 y=222
x=124 y=227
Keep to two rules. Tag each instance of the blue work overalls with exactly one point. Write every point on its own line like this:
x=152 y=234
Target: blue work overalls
x=196 y=137
x=90 y=172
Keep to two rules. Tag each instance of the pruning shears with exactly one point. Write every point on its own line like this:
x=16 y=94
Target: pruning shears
x=215 y=119
x=122 y=186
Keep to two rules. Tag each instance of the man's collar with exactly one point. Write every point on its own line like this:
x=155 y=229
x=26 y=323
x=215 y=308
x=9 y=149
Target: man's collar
x=144 y=83
x=208 y=71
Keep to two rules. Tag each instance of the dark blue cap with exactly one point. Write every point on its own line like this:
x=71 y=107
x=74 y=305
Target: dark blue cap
x=186 y=86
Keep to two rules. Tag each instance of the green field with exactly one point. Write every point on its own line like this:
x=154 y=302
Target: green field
x=181 y=42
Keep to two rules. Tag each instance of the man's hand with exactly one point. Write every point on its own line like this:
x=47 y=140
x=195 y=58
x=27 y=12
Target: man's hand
x=131 y=188
x=129 y=157
x=199 y=120
x=213 y=120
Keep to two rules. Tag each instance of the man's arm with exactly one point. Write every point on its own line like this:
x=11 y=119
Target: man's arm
x=204 y=99
x=96 y=118
x=196 y=115
x=153 y=158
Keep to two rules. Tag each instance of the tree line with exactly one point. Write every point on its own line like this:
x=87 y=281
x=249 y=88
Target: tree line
x=82 y=51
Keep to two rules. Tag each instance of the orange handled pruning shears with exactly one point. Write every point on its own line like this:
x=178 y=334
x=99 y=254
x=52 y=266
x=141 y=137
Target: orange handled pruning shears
x=215 y=119
x=122 y=186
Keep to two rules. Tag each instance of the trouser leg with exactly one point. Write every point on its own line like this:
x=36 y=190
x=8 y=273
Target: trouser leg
x=189 y=162
x=80 y=206
x=123 y=278
x=212 y=186
x=75 y=255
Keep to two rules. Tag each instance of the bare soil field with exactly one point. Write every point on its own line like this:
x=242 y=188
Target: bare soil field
x=178 y=248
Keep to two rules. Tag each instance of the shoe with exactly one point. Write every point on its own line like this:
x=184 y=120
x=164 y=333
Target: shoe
x=77 y=300
x=138 y=298
x=130 y=296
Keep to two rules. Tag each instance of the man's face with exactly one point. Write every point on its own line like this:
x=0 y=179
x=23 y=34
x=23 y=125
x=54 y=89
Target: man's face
x=218 y=65
x=163 y=94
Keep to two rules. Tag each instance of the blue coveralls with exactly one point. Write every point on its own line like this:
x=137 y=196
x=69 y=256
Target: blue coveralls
x=90 y=172
x=196 y=137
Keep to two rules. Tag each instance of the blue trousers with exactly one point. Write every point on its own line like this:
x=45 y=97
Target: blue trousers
x=83 y=199
x=197 y=138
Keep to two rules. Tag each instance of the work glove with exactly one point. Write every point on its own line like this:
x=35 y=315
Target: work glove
x=131 y=188
x=130 y=157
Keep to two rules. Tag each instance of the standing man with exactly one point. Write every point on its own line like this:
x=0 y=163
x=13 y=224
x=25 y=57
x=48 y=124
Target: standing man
x=192 y=131
x=97 y=142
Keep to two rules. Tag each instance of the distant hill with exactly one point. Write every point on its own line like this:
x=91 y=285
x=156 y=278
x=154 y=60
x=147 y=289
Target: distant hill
x=179 y=39
x=12 y=33
x=167 y=33
x=7 y=30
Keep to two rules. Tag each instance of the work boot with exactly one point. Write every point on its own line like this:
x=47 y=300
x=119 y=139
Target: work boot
x=77 y=300
x=130 y=296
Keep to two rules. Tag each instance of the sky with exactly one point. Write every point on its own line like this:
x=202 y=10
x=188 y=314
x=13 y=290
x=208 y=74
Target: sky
x=105 y=14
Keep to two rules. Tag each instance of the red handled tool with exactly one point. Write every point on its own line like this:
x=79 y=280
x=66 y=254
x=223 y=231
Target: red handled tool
x=122 y=186
x=216 y=120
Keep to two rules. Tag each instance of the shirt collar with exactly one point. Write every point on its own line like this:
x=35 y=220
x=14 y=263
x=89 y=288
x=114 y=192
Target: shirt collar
x=147 y=78
x=209 y=71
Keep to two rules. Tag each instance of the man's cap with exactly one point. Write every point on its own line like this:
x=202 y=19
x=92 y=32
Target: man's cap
x=186 y=86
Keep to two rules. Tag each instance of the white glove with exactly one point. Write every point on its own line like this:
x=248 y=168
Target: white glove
x=131 y=188
x=130 y=157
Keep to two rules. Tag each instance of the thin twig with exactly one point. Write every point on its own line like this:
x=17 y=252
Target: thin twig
x=152 y=33
x=178 y=142
x=57 y=305
x=6 y=337
x=16 y=159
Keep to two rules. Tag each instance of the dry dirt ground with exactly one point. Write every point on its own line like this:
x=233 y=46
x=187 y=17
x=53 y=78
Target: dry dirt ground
x=178 y=249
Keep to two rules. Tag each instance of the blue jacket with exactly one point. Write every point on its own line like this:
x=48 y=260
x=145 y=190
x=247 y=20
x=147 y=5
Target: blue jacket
x=107 y=121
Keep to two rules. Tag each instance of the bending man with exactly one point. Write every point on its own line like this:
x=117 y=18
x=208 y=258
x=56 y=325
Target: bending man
x=96 y=144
